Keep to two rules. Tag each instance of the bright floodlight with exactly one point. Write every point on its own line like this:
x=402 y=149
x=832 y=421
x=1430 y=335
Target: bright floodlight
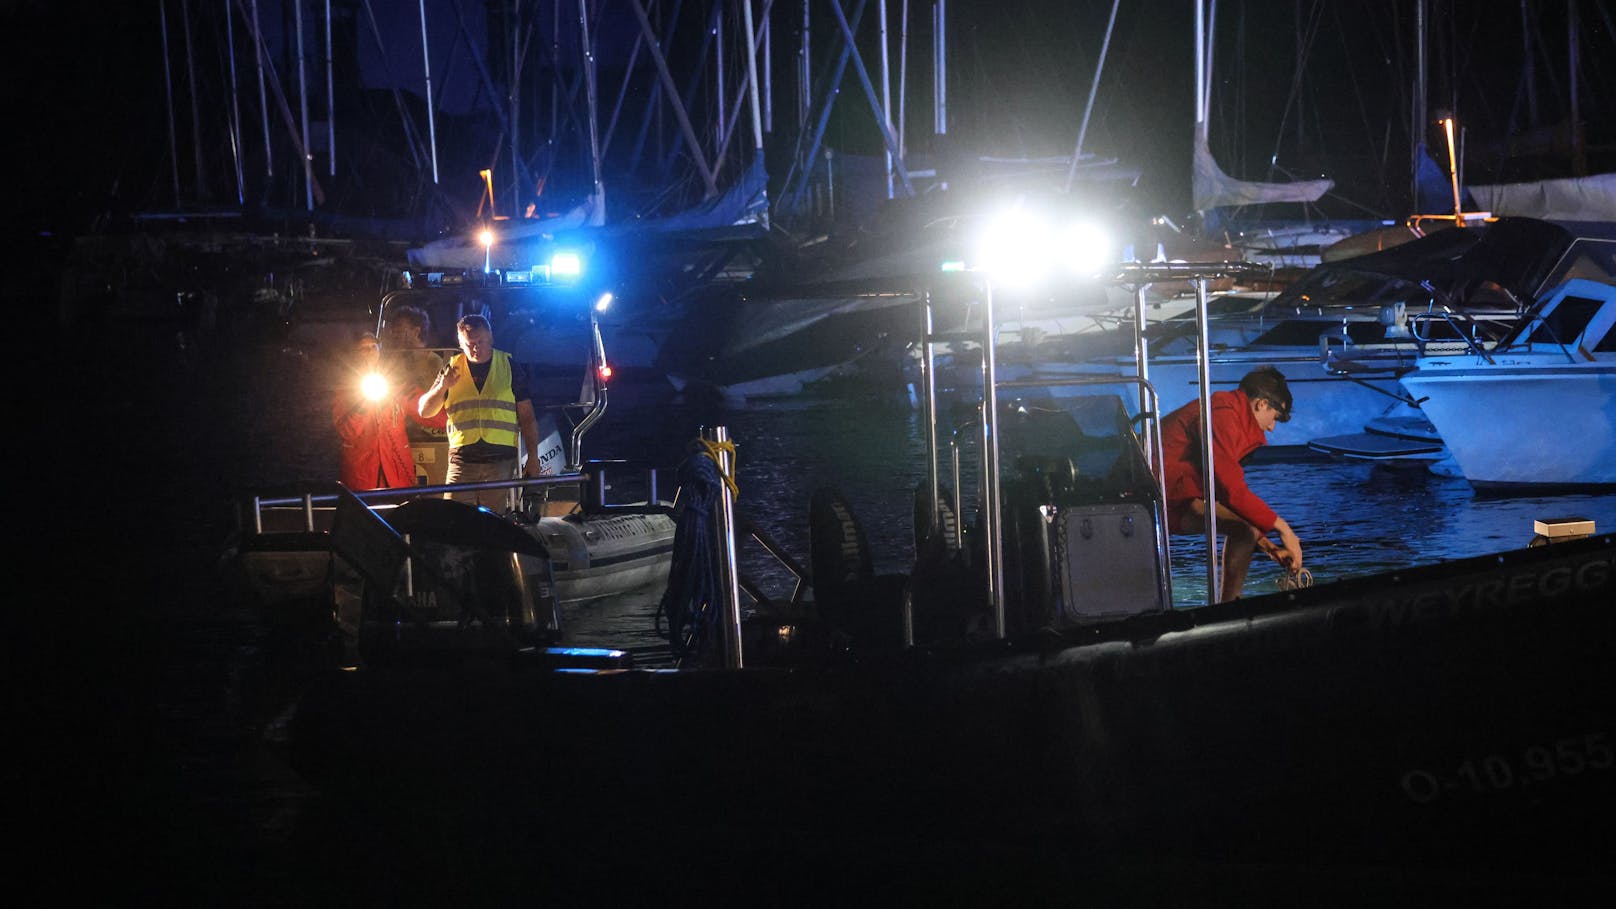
x=1086 y=249
x=486 y=238
x=604 y=303
x=566 y=265
x=1018 y=248
x=373 y=386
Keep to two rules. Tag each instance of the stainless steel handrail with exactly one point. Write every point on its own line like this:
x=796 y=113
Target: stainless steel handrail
x=1471 y=344
x=731 y=593
x=1197 y=273
x=307 y=501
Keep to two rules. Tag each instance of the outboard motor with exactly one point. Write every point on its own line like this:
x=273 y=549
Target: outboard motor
x=851 y=598
x=1083 y=516
x=477 y=582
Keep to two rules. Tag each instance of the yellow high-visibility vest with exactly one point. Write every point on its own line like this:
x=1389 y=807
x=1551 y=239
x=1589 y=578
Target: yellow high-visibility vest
x=488 y=415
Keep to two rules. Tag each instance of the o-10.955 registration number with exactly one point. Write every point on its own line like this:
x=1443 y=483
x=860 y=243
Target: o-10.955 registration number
x=1535 y=765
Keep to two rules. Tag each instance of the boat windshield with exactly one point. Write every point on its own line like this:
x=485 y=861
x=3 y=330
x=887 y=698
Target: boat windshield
x=1565 y=322
x=1580 y=312
x=1589 y=257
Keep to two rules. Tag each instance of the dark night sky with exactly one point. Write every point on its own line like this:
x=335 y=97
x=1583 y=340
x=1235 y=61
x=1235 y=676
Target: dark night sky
x=88 y=121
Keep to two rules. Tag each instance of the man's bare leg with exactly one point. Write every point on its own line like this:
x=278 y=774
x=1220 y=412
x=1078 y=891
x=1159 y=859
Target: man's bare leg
x=1239 y=544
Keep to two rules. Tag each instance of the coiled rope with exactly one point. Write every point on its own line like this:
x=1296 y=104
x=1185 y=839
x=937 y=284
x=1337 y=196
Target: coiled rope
x=1290 y=580
x=712 y=450
x=688 y=613
x=1296 y=580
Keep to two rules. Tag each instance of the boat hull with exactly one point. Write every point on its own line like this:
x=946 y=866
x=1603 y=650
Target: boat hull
x=1324 y=404
x=1460 y=715
x=607 y=555
x=300 y=578
x=1542 y=425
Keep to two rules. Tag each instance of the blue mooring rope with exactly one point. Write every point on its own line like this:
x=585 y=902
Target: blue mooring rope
x=689 y=612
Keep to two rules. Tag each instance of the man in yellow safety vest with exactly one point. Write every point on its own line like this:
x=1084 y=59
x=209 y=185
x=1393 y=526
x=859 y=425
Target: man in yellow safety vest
x=490 y=414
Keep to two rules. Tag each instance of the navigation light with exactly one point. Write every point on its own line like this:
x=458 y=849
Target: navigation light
x=486 y=238
x=566 y=265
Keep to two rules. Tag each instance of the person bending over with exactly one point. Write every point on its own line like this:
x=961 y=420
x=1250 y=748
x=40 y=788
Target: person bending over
x=1241 y=420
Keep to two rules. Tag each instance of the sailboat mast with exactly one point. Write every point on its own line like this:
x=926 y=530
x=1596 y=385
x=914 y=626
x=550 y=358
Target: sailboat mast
x=1211 y=51
x=768 y=67
x=426 y=70
x=330 y=99
x=1094 y=86
x=685 y=128
x=903 y=77
x=196 y=116
x=263 y=97
x=599 y=213
x=303 y=107
x=1417 y=107
x=939 y=59
x=168 y=95
x=886 y=89
x=719 y=93
x=513 y=89
x=235 y=104
x=751 y=75
x=804 y=83
x=1579 y=161
x=1200 y=69
x=876 y=109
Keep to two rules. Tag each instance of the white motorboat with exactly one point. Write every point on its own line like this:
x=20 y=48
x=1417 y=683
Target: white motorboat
x=1540 y=409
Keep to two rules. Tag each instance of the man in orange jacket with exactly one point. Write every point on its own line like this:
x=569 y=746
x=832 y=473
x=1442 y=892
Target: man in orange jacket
x=369 y=414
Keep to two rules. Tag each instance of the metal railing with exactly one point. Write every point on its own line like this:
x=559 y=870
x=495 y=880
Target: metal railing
x=1135 y=274
x=259 y=504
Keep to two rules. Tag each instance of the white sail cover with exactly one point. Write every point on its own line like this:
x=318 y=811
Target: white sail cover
x=1215 y=189
x=1573 y=199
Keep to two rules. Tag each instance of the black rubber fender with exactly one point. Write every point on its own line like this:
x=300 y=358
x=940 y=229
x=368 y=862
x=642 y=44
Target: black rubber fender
x=943 y=538
x=838 y=554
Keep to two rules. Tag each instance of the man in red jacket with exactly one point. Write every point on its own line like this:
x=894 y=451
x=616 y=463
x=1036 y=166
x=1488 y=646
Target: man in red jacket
x=368 y=412
x=1241 y=420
